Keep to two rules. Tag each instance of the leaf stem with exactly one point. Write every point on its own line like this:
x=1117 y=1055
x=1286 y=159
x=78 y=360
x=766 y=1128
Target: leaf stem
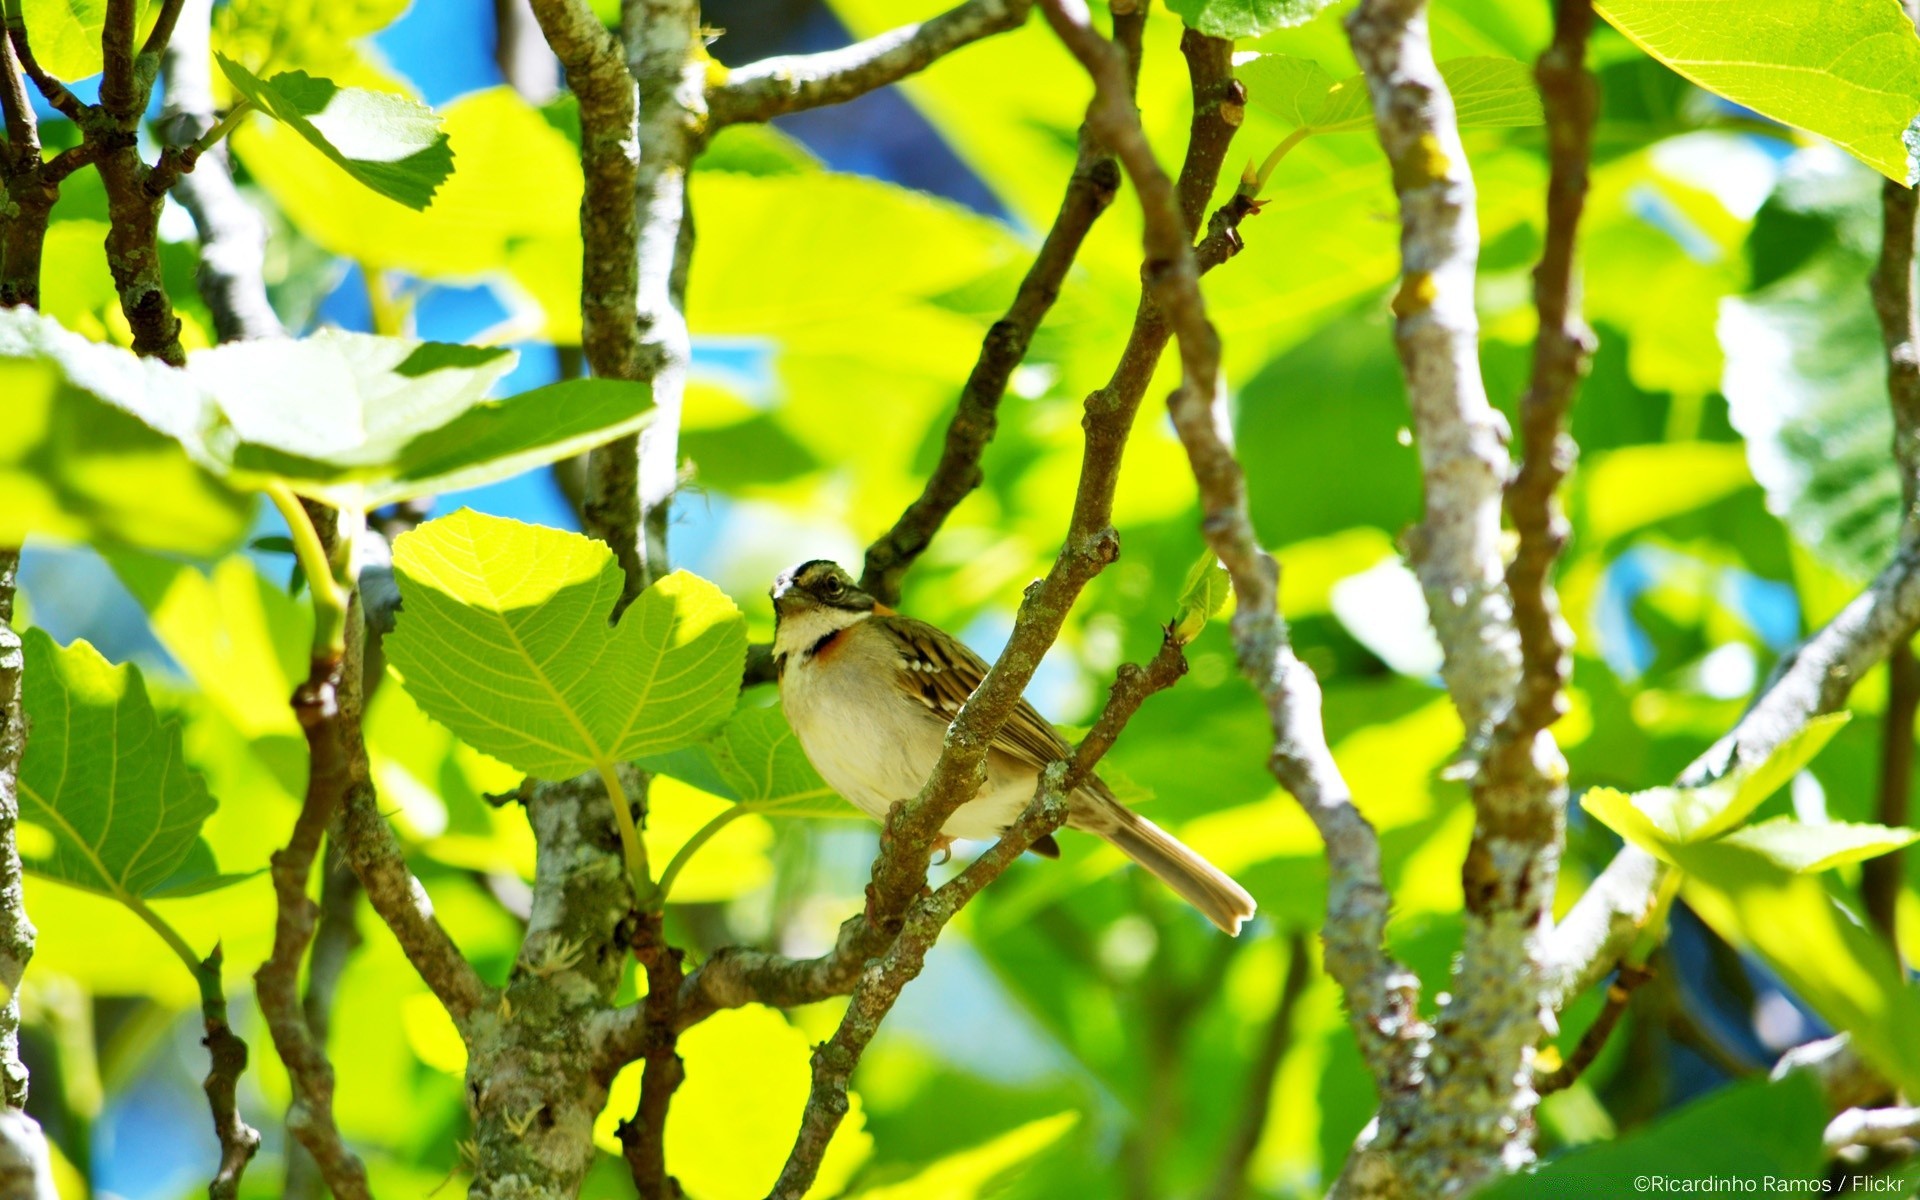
x=632 y=848
x=330 y=594
x=1256 y=182
x=700 y=838
x=172 y=938
x=221 y=129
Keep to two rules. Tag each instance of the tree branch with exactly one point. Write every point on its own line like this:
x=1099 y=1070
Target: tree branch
x=1456 y=548
x=1509 y=666
x=774 y=87
x=334 y=942
x=1619 y=995
x=1090 y=189
x=1861 y=1128
x=1381 y=994
x=369 y=847
x=56 y=94
x=227 y=1053
x=23 y=1148
x=317 y=705
x=233 y=237
x=1844 y=1078
x=1561 y=352
x=883 y=979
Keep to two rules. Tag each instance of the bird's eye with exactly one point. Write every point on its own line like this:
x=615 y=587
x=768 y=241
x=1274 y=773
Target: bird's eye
x=834 y=587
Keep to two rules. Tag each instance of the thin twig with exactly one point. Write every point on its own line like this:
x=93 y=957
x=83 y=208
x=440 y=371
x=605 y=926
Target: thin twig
x=369 y=847
x=1882 y=879
x=56 y=94
x=774 y=87
x=1090 y=189
x=1251 y=1120
x=643 y=1138
x=1619 y=995
x=160 y=37
x=1893 y=303
x=1561 y=351
x=334 y=942
x=239 y=1142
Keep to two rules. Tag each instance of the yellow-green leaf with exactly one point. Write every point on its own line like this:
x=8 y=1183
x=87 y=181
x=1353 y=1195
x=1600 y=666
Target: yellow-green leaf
x=1848 y=70
x=503 y=636
x=390 y=143
x=1840 y=968
x=1805 y=848
x=755 y=761
x=105 y=776
x=980 y=1170
x=733 y=1119
x=1203 y=596
x=88 y=455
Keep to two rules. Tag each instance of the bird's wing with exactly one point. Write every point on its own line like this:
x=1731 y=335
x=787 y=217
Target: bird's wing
x=941 y=673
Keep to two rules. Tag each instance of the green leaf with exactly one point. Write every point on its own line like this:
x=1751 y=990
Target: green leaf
x=65 y=34
x=503 y=637
x=1788 y=759
x=105 y=775
x=362 y=421
x=1842 y=970
x=88 y=456
x=1203 y=596
x=1759 y=1132
x=1848 y=70
x=1805 y=848
x=981 y=1170
x=1244 y=18
x=1659 y=819
x=518 y=186
x=390 y=143
x=1805 y=376
x=1489 y=92
x=1296 y=90
x=756 y=762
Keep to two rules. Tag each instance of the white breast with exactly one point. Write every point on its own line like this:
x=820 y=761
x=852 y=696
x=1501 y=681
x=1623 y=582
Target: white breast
x=876 y=747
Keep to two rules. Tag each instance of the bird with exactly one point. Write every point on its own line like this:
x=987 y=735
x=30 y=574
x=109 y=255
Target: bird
x=869 y=694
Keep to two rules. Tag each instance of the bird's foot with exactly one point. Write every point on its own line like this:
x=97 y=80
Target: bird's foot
x=943 y=845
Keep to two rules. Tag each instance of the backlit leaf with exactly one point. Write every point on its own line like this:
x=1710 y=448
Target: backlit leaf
x=1841 y=969
x=1799 y=846
x=104 y=774
x=756 y=761
x=1848 y=70
x=1488 y=92
x=503 y=636
x=392 y=144
x=1244 y=18
x=88 y=456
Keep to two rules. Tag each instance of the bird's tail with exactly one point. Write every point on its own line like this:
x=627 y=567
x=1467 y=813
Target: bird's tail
x=1198 y=881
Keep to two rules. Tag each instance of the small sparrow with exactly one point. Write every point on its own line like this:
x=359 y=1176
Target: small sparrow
x=870 y=694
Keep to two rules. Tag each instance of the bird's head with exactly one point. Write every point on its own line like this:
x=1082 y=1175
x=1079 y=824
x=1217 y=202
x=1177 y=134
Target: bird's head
x=815 y=600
